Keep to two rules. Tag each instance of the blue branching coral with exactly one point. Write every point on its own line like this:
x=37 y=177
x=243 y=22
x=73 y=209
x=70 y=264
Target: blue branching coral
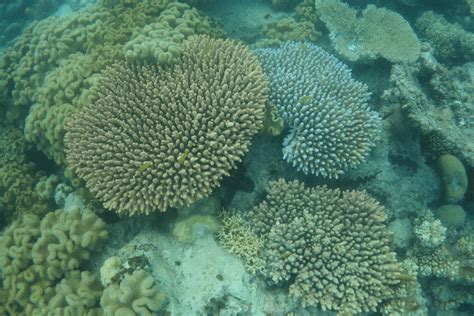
x=331 y=125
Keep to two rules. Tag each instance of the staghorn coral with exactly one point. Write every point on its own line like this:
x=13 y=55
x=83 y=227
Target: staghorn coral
x=237 y=238
x=332 y=246
x=377 y=33
x=332 y=127
x=41 y=258
x=159 y=138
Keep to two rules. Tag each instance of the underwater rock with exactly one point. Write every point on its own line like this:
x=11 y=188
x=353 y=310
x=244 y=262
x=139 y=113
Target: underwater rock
x=189 y=229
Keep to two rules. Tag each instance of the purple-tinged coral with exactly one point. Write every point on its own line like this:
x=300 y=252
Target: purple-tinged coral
x=331 y=125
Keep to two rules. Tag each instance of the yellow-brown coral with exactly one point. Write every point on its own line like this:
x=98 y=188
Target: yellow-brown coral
x=188 y=124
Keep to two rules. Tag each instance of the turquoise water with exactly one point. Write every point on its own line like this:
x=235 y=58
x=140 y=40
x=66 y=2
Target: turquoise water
x=236 y=157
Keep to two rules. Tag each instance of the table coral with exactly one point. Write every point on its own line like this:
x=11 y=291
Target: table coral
x=379 y=32
x=332 y=246
x=159 y=138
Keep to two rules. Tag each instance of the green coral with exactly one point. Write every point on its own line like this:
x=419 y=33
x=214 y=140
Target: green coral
x=41 y=261
x=451 y=215
x=21 y=182
x=378 y=32
x=188 y=229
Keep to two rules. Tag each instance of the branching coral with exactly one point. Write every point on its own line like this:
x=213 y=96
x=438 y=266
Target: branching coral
x=331 y=246
x=332 y=127
x=159 y=138
x=237 y=238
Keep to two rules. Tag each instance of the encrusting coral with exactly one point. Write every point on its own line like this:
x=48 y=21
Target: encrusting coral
x=332 y=128
x=332 y=246
x=159 y=138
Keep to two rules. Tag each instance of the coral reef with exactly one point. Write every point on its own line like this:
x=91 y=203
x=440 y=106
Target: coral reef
x=437 y=101
x=332 y=246
x=55 y=64
x=378 y=32
x=159 y=138
x=15 y=15
x=450 y=41
x=332 y=128
x=41 y=260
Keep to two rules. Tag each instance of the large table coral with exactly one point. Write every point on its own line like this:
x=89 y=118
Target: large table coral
x=159 y=138
x=377 y=33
